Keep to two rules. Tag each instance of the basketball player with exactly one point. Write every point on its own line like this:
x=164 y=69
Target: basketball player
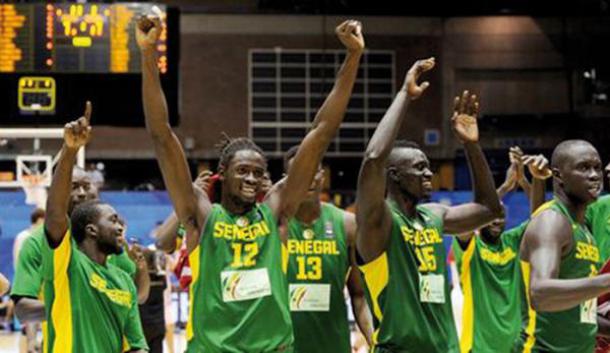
x=596 y=217
x=321 y=246
x=489 y=269
x=560 y=258
x=400 y=240
x=91 y=305
x=27 y=284
x=239 y=297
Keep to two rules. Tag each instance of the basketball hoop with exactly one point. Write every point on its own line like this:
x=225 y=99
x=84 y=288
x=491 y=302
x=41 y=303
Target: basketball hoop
x=35 y=190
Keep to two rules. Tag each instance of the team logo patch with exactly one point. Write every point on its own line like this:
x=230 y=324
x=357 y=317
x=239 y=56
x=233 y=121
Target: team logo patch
x=242 y=222
x=297 y=295
x=308 y=234
x=245 y=284
x=309 y=296
x=229 y=285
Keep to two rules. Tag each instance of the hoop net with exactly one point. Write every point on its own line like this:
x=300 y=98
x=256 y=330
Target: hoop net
x=35 y=190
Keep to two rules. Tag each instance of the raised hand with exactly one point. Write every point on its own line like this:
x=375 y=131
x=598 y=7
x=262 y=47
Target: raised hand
x=515 y=155
x=350 y=34
x=511 y=177
x=464 y=119
x=415 y=90
x=78 y=132
x=136 y=254
x=538 y=165
x=203 y=180
x=148 y=29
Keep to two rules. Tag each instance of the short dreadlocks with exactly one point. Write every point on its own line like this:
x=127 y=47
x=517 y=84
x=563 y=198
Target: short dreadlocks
x=229 y=146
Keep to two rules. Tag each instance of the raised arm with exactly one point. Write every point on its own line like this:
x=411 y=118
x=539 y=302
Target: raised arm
x=539 y=168
x=510 y=183
x=545 y=237
x=141 y=278
x=285 y=200
x=486 y=205
x=168 y=150
x=76 y=135
x=372 y=214
x=516 y=155
x=355 y=285
x=167 y=233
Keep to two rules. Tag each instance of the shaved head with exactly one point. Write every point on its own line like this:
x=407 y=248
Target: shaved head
x=398 y=151
x=408 y=171
x=577 y=171
x=567 y=150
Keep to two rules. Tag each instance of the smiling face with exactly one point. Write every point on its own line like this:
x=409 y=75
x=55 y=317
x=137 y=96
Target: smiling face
x=243 y=176
x=409 y=168
x=110 y=230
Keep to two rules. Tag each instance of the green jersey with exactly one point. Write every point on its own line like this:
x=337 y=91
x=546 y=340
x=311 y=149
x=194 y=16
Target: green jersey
x=28 y=275
x=597 y=219
x=318 y=267
x=28 y=278
x=491 y=281
x=239 y=293
x=90 y=307
x=572 y=330
x=408 y=288
x=123 y=262
x=28 y=281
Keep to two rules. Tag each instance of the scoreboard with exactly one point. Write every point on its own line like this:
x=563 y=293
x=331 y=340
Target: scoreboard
x=54 y=56
x=73 y=38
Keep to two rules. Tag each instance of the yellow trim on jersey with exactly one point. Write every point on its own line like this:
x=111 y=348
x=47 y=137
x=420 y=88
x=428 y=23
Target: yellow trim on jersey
x=466 y=341
x=194 y=259
x=285 y=258
x=530 y=330
x=126 y=346
x=376 y=275
x=61 y=312
x=45 y=337
x=543 y=207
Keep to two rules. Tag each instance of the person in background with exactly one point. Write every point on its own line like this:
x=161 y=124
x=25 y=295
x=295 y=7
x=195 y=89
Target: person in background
x=152 y=311
x=28 y=341
x=36 y=219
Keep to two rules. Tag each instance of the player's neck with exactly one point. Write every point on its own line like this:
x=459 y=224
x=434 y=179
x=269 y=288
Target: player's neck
x=577 y=209
x=407 y=204
x=233 y=205
x=309 y=211
x=90 y=248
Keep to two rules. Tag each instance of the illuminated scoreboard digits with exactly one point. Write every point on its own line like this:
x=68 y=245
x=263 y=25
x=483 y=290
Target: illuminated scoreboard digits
x=14 y=54
x=97 y=37
x=76 y=38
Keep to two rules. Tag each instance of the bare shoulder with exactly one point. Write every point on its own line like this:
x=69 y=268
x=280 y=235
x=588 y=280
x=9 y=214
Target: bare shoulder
x=548 y=228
